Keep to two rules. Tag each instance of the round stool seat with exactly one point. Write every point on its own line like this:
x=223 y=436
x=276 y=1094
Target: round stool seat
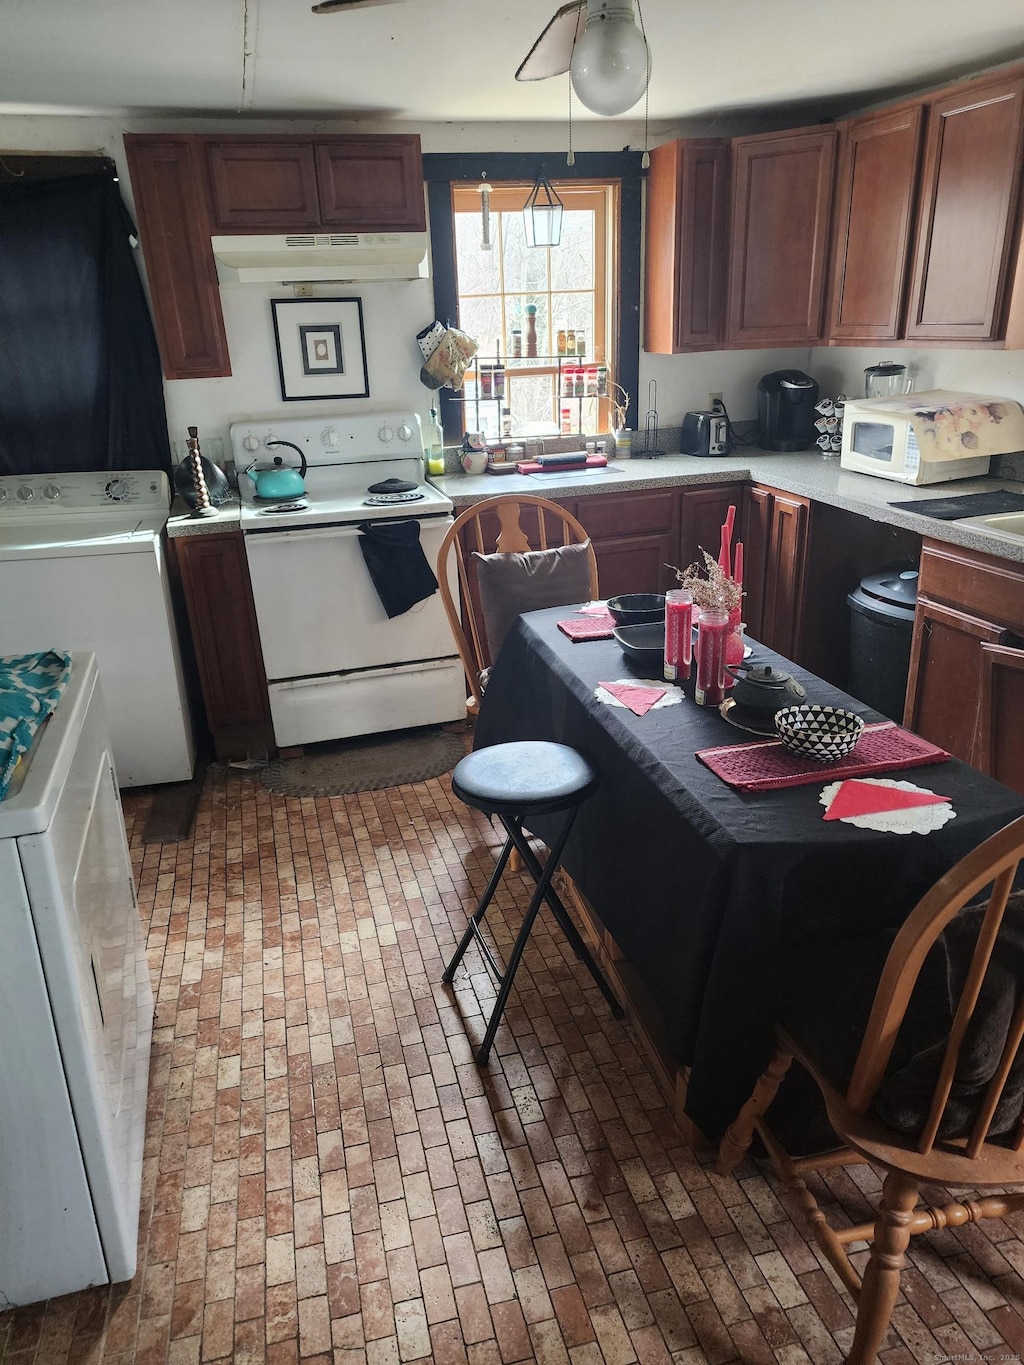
x=527 y=777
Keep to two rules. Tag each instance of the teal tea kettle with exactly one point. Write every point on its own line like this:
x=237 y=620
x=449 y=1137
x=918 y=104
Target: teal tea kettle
x=278 y=481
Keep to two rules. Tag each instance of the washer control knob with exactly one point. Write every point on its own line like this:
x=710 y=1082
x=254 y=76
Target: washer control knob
x=329 y=437
x=25 y=493
x=3 y=494
x=385 y=434
x=404 y=432
x=251 y=442
x=51 y=492
x=117 y=490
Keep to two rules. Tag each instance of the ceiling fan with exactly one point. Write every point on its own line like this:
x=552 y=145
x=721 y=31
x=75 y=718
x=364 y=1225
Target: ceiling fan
x=598 y=41
x=332 y=6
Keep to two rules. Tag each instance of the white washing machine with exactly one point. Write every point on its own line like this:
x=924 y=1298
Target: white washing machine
x=76 y=1012
x=82 y=566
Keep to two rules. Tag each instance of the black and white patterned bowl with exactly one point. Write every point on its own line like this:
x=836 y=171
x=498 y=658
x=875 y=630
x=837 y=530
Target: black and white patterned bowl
x=823 y=733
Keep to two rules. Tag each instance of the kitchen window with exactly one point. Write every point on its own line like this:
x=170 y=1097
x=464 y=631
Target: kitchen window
x=619 y=176
x=568 y=286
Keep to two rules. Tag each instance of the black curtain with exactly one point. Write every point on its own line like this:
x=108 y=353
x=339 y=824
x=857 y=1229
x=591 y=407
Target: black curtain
x=80 y=382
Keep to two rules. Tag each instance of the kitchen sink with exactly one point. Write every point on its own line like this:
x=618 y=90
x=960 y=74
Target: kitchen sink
x=1006 y=525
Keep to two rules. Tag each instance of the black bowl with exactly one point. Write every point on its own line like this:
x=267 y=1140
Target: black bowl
x=643 y=644
x=634 y=608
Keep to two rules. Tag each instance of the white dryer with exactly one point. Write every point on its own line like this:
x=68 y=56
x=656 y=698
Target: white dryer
x=82 y=566
x=76 y=1012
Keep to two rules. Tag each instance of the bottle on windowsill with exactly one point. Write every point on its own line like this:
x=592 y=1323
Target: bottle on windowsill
x=435 y=444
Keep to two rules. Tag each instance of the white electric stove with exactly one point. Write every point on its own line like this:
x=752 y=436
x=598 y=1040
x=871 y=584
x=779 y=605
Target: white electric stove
x=336 y=664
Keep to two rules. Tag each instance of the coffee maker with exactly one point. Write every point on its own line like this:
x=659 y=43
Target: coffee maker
x=785 y=410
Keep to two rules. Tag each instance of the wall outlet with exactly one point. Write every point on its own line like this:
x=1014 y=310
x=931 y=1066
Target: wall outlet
x=714 y=401
x=302 y=291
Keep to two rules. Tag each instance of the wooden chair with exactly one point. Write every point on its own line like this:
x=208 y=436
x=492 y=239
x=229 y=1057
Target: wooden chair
x=938 y=1150
x=508 y=525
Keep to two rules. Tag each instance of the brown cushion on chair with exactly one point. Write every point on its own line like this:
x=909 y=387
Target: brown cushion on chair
x=513 y=583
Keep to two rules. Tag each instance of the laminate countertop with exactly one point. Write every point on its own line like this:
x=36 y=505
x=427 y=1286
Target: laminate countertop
x=807 y=474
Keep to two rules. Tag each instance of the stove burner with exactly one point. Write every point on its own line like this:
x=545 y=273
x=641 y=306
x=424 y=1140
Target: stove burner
x=296 y=505
x=386 y=499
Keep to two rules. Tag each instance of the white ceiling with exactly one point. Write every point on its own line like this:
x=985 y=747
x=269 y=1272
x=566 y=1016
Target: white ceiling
x=449 y=60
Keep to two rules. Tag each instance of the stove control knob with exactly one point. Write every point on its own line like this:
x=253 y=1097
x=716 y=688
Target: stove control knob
x=404 y=432
x=385 y=435
x=51 y=492
x=117 y=490
x=251 y=442
x=3 y=494
x=25 y=493
x=329 y=437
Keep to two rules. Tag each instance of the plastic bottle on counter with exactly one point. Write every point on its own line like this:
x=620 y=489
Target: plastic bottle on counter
x=435 y=444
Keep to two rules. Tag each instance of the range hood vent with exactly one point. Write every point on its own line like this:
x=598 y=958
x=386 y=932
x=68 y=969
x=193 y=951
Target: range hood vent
x=309 y=256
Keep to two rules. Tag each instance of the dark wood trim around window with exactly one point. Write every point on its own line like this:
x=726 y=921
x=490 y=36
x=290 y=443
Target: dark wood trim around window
x=440 y=169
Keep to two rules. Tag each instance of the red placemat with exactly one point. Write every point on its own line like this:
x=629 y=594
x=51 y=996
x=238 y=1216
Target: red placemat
x=758 y=767
x=588 y=627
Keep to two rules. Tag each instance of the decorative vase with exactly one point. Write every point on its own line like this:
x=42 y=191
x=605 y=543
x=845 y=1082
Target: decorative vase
x=623 y=437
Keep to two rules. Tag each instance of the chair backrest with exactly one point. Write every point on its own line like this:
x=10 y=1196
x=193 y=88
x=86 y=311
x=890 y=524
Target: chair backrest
x=962 y=1105
x=506 y=525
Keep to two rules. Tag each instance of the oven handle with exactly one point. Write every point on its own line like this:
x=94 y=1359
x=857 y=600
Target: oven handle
x=323 y=532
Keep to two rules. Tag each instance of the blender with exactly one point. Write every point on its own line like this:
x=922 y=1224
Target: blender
x=887 y=379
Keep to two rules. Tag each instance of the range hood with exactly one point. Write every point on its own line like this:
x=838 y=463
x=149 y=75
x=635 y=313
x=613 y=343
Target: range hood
x=302 y=256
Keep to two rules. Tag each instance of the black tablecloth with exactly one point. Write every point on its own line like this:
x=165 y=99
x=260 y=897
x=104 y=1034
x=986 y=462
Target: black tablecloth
x=704 y=887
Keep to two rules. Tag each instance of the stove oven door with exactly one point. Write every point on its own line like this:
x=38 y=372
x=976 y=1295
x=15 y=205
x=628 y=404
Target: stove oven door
x=336 y=664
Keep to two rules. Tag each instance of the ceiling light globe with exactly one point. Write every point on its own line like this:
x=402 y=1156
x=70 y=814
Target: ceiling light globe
x=610 y=62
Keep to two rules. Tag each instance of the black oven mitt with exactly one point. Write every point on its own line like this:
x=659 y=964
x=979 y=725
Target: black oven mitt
x=396 y=563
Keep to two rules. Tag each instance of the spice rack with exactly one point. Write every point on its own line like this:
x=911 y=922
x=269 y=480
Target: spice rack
x=587 y=380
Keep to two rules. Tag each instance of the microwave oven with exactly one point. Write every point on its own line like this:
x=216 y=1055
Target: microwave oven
x=929 y=437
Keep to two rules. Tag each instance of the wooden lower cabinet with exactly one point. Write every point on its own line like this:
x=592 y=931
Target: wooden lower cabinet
x=775 y=528
x=703 y=510
x=214 y=578
x=635 y=537
x=966 y=689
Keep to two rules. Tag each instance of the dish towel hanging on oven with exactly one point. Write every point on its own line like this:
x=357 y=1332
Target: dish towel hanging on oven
x=396 y=563
x=30 y=687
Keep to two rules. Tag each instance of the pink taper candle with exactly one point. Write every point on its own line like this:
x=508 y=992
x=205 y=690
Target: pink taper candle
x=724 y=552
x=737 y=565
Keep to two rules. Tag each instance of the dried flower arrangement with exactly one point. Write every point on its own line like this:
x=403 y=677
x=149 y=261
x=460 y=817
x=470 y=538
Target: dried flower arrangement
x=716 y=592
x=619 y=400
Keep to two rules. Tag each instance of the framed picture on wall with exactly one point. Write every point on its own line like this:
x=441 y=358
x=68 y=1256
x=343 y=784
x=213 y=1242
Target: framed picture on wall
x=321 y=350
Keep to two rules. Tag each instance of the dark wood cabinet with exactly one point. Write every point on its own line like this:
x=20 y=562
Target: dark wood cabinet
x=170 y=209
x=370 y=183
x=261 y=186
x=966 y=689
x=876 y=183
x=702 y=513
x=635 y=537
x=687 y=237
x=781 y=201
x=214 y=578
x=775 y=529
x=967 y=226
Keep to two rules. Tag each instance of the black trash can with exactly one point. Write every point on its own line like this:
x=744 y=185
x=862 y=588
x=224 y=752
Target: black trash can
x=881 y=627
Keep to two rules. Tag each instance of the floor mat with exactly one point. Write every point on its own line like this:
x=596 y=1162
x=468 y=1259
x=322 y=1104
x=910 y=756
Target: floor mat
x=342 y=767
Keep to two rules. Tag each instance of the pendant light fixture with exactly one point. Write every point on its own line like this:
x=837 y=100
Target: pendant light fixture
x=542 y=214
x=611 y=62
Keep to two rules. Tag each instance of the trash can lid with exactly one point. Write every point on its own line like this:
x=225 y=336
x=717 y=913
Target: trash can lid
x=895 y=586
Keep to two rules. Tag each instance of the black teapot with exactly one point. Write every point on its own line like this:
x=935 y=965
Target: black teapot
x=762 y=690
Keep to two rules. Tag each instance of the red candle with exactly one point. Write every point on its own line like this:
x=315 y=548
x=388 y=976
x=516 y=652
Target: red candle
x=712 y=632
x=678 y=634
x=737 y=566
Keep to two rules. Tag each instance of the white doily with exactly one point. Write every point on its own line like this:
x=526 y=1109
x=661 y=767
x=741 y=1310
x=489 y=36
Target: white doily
x=913 y=820
x=673 y=696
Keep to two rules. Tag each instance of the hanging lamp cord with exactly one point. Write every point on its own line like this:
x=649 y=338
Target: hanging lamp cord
x=645 y=160
x=570 y=159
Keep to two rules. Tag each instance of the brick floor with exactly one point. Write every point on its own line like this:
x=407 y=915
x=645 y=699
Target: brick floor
x=330 y=1179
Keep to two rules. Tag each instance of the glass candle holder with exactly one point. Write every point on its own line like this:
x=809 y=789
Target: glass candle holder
x=712 y=632
x=678 y=634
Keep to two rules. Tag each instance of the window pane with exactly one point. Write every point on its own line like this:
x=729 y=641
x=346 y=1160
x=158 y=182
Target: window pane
x=526 y=267
x=533 y=405
x=572 y=262
x=575 y=311
x=477 y=269
x=481 y=318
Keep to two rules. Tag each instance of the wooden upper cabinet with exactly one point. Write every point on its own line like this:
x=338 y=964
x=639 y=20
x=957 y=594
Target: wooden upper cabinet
x=687 y=226
x=781 y=200
x=166 y=177
x=371 y=182
x=364 y=183
x=967 y=223
x=261 y=185
x=876 y=183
